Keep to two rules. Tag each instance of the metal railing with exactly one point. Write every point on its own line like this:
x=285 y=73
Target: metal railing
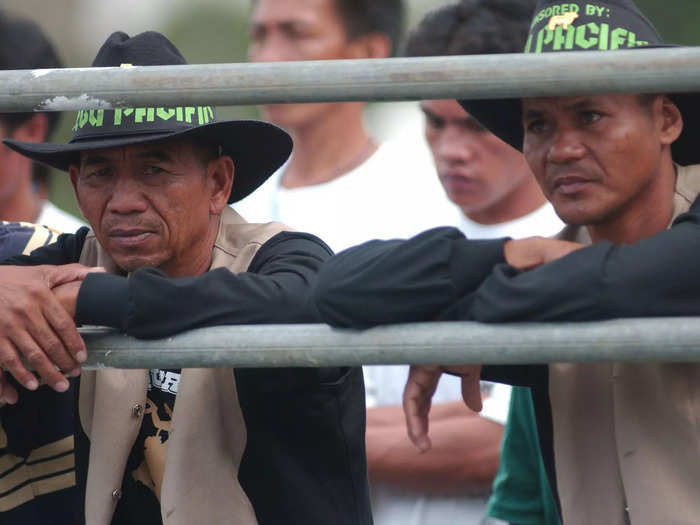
x=485 y=76
x=496 y=76
x=659 y=340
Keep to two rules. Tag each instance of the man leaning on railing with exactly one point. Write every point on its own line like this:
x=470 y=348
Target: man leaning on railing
x=619 y=441
x=164 y=254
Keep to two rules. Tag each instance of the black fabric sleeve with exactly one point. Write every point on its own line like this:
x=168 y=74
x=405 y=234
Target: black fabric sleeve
x=65 y=250
x=149 y=304
x=383 y=282
x=657 y=276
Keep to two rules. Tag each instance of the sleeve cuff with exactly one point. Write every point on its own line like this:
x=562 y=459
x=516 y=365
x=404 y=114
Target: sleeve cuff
x=103 y=300
x=473 y=261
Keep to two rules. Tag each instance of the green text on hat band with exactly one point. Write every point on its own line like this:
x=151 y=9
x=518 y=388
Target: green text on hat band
x=134 y=116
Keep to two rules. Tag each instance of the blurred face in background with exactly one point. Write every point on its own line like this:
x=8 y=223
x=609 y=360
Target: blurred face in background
x=7 y=181
x=477 y=170
x=15 y=169
x=286 y=30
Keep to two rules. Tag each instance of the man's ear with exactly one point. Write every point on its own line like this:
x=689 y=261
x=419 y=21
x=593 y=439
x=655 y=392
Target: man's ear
x=33 y=130
x=73 y=171
x=220 y=172
x=671 y=121
x=372 y=45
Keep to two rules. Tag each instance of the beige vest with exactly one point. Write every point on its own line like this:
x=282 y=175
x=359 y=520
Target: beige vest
x=207 y=437
x=627 y=435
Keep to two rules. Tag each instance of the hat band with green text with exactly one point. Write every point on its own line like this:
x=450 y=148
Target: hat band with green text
x=588 y=26
x=90 y=123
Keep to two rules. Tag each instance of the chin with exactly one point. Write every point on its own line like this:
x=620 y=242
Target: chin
x=284 y=115
x=580 y=217
x=132 y=263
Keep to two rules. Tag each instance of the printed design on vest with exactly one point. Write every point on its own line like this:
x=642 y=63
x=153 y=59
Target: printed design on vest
x=155 y=428
x=164 y=380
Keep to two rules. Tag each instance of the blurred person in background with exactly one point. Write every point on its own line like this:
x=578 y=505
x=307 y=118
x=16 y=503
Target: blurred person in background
x=37 y=460
x=340 y=183
x=24 y=184
x=497 y=196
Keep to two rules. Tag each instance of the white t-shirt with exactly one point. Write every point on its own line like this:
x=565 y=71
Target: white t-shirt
x=385 y=386
x=542 y=222
x=393 y=194
x=58 y=219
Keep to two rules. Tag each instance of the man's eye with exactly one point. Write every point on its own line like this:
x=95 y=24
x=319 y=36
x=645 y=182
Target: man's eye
x=536 y=126
x=98 y=173
x=474 y=126
x=590 y=117
x=434 y=122
x=154 y=170
x=257 y=34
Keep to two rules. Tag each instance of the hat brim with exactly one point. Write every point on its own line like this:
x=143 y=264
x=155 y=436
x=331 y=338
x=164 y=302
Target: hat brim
x=257 y=148
x=503 y=118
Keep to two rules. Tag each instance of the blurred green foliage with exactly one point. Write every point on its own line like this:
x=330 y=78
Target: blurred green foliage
x=678 y=21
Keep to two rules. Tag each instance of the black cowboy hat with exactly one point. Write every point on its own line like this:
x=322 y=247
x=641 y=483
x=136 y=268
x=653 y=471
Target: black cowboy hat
x=257 y=148
x=588 y=26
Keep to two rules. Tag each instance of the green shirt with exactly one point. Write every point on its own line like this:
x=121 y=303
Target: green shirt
x=521 y=492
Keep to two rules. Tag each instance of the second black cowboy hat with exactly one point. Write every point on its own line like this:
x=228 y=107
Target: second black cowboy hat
x=588 y=26
x=257 y=148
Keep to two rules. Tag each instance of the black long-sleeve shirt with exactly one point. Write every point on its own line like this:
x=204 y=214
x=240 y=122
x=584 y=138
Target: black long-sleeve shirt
x=305 y=459
x=149 y=304
x=440 y=275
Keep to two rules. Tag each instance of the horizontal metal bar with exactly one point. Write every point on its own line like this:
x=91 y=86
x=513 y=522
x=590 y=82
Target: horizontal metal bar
x=667 y=340
x=478 y=77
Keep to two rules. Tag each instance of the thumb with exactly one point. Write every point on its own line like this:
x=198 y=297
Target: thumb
x=471 y=389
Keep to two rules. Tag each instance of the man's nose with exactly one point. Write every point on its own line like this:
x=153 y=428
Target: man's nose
x=453 y=147
x=566 y=146
x=127 y=197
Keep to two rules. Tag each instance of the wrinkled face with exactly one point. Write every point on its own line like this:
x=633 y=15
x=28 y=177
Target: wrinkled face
x=595 y=155
x=476 y=168
x=285 y=30
x=152 y=205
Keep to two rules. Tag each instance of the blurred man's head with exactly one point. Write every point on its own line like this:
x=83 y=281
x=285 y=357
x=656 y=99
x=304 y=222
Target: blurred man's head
x=286 y=30
x=479 y=172
x=23 y=46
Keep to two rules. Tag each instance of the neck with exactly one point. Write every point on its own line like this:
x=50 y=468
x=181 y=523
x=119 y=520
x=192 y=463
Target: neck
x=198 y=258
x=328 y=148
x=23 y=205
x=648 y=214
x=523 y=200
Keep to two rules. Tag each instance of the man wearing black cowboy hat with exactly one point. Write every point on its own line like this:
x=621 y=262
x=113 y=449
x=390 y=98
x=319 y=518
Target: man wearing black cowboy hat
x=244 y=446
x=619 y=441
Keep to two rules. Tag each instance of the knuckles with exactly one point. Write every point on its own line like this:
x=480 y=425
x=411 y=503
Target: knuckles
x=35 y=359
